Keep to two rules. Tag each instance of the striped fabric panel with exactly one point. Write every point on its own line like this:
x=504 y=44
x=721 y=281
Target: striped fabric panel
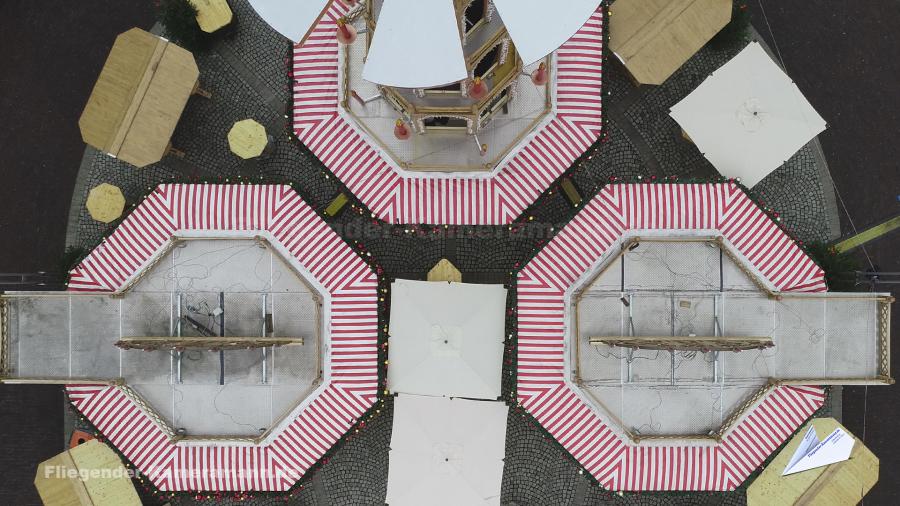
x=768 y=248
x=144 y=232
x=579 y=77
x=767 y=426
x=127 y=427
x=499 y=199
x=542 y=332
x=220 y=468
x=314 y=70
x=353 y=325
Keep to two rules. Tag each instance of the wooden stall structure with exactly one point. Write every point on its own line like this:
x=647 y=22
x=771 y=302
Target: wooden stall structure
x=653 y=38
x=212 y=14
x=139 y=97
x=90 y=474
x=839 y=484
x=444 y=271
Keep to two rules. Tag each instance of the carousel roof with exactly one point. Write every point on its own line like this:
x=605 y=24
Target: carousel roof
x=416 y=45
x=537 y=30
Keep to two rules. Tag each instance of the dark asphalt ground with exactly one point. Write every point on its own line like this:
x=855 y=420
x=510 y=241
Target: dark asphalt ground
x=51 y=52
x=843 y=56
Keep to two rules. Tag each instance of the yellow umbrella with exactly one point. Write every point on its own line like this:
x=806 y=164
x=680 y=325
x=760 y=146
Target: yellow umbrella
x=105 y=202
x=247 y=139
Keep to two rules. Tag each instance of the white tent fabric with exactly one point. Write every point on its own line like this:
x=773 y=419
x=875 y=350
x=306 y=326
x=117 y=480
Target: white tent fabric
x=292 y=18
x=446 y=451
x=446 y=339
x=416 y=45
x=748 y=117
x=538 y=27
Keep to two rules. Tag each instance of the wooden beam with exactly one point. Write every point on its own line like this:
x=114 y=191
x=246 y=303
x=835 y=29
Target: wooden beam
x=150 y=343
x=693 y=343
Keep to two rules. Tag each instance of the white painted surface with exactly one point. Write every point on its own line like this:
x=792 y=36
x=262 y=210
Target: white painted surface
x=538 y=28
x=446 y=451
x=416 y=45
x=748 y=117
x=291 y=18
x=446 y=339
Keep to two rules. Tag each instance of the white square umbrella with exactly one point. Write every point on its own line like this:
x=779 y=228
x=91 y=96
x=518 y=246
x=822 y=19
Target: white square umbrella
x=446 y=451
x=446 y=339
x=748 y=117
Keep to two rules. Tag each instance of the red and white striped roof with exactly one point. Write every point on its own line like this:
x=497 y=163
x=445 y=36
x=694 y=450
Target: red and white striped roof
x=409 y=198
x=545 y=286
x=349 y=286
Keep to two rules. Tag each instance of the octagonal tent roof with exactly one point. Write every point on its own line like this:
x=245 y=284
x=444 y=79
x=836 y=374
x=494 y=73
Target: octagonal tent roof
x=446 y=338
x=748 y=117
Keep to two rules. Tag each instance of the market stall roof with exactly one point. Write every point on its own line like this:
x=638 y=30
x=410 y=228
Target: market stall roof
x=292 y=18
x=748 y=117
x=139 y=97
x=90 y=474
x=538 y=28
x=446 y=338
x=653 y=38
x=844 y=482
x=416 y=45
x=446 y=451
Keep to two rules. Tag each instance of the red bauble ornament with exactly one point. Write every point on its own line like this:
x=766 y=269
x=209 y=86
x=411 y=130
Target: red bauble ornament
x=346 y=33
x=478 y=89
x=540 y=76
x=400 y=130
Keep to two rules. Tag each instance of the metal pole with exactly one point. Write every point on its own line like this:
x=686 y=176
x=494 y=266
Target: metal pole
x=672 y=352
x=178 y=355
x=222 y=334
x=629 y=357
x=263 y=334
x=716 y=333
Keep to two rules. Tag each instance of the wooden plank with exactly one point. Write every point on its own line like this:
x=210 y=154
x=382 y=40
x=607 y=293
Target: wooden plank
x=115 y=89
x=211 y=342
x=57 y=490
x=111 y=485
x=158 y=113
x=698 y=343
x=842 y=483
x=653 y=38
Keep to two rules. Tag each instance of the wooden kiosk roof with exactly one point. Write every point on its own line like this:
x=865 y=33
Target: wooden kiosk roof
x=653 y=38
x=106 y=483
x=839 y=484
x=139 y=97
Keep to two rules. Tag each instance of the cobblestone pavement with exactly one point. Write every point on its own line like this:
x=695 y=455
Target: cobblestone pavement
x=246 y=72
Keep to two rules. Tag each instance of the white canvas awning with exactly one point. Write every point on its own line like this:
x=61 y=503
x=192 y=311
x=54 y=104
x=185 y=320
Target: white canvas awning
x=416 y=45
x=748 y=117
x=446 y=339
x=538 y=27
x=446 y=451
x=292 y=18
